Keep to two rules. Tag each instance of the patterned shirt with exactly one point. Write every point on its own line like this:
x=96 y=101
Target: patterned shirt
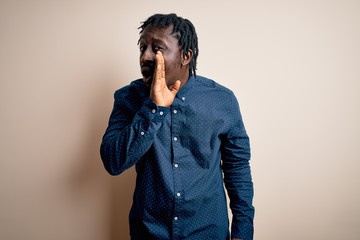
x=183 y=155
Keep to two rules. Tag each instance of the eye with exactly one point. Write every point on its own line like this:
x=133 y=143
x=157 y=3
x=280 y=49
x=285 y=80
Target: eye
x=142 y=48
x=157 y=48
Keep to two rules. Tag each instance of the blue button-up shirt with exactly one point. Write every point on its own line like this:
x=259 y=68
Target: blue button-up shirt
x=183 y=155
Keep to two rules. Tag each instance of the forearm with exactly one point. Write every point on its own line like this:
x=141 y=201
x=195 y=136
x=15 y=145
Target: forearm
x=122 y=149
x=125 y=143
x=238 y=180
x=240 y=190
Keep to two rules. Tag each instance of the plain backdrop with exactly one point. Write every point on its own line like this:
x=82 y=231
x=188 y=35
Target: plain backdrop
x=293 y=65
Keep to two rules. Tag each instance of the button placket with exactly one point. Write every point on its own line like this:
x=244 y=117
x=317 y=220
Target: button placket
x=175 y=136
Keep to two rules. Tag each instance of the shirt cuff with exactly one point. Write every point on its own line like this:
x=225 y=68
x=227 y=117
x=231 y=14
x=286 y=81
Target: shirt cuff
x=152 y=112
x=244 y=231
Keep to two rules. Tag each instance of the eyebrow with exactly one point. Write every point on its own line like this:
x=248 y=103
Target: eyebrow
x=155 y=40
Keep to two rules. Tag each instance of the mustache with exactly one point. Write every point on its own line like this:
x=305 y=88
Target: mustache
x=148 y=64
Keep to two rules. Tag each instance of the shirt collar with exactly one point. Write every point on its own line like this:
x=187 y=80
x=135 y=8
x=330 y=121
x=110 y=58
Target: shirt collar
x=185 y=89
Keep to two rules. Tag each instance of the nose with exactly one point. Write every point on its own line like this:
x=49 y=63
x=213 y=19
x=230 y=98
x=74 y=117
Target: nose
x=147 y=55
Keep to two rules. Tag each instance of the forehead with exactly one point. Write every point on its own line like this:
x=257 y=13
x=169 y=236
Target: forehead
x=163 y=34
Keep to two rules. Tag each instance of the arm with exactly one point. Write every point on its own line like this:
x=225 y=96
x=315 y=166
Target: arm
x=128 y=137
x=237 y=176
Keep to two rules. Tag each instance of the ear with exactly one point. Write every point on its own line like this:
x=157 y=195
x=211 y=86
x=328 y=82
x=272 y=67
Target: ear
x=186 y=58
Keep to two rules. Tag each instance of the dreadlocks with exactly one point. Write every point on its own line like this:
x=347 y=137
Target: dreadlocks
x=185 y=33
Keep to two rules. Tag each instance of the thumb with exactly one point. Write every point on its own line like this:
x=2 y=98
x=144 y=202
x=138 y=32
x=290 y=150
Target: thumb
x=176 y=87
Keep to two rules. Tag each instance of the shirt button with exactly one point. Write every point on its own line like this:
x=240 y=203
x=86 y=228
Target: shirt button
x=176 y=218
x=175 y=111
x=161 y=112
x=178 y=194
x=153 y=111
x=175 y=138
x=183 y=98
x=142 y=133
x=176 y=165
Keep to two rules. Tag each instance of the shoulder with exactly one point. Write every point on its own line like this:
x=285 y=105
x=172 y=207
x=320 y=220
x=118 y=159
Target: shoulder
x=135 y=89
x=212 y=85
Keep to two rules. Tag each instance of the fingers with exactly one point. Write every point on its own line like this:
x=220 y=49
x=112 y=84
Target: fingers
x=159 y=68
x=160 y=74
x=176 y=87
x=160 y=93
x=159 y=82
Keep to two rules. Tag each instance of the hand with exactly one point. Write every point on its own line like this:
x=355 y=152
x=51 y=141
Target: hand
x=160 y=94
x=236 y=239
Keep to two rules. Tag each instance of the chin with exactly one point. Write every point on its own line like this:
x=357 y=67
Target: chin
x=147 y=81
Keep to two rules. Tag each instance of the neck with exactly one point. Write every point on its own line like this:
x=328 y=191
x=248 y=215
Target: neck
x=185 y=79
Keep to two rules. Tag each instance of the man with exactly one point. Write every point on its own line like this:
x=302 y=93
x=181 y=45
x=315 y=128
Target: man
x=185 y=135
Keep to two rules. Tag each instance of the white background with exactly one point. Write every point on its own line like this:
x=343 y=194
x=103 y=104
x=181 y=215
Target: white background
x=293 y=65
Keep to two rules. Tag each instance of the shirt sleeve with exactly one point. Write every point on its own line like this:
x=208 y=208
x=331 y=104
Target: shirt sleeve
x=237 y=175
x=129 y=136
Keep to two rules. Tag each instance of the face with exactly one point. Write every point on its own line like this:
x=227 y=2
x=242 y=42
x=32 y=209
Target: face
x=155 y=39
